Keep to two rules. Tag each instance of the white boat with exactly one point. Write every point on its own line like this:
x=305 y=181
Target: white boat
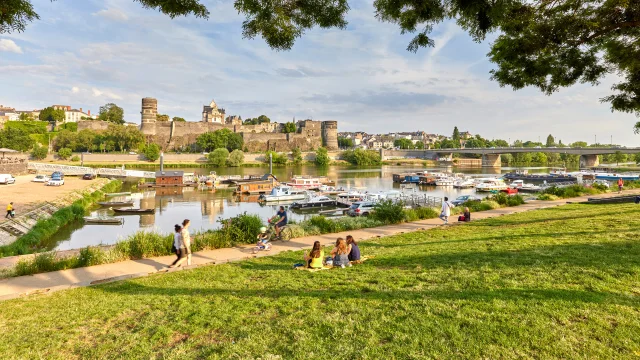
x=445 y=181
x=305 y=183
x=464 y=183
x=524 y=187
x=383 y=195
x=330 y=190
x=351 y=195
x=490 y=184
x=313 y=200
x=283 y=193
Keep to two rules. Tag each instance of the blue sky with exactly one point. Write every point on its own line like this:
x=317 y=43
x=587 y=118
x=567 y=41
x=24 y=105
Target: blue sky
x=88 y=53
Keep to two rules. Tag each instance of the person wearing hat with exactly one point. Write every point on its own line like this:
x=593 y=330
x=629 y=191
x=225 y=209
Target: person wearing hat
x=263 y=240
x=9 y=210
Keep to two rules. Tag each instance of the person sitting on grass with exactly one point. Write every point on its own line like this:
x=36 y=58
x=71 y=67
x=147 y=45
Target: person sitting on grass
x=466 y=215
x=314 y=258
x=340 y=253
x=354 y=250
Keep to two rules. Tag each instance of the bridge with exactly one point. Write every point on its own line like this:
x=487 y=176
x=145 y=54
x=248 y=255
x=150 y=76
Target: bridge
x=81 y=170
x=491 y=156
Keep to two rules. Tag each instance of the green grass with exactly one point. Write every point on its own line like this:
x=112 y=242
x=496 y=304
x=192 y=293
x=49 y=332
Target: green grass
x=554 y=283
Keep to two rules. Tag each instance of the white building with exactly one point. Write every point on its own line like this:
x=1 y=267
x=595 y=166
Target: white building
x=73 y=115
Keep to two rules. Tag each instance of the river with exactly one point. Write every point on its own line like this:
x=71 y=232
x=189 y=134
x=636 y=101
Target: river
x=204 y=208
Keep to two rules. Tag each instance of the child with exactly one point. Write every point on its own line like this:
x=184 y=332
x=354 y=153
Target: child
x=263 y=240
x=466 y=216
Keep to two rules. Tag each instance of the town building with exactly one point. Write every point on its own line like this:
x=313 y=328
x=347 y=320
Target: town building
x=211 y=113
x=73 y=115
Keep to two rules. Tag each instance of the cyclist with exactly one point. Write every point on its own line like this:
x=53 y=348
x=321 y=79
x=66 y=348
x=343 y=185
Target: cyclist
x=281 y=221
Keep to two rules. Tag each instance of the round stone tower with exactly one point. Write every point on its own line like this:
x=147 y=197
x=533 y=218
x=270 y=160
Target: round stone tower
x=149 y=113
x=330 y=135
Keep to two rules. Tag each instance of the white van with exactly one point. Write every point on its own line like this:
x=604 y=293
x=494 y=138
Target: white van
x=7 y=179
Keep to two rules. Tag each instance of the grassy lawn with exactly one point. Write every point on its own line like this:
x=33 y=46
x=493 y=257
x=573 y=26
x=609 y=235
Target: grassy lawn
x=554 y=283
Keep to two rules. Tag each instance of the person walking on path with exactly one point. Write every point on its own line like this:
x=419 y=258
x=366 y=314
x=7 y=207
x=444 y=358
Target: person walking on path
x=620 y=185
x=445 y=211
x=178 y=247
x=9 y=210
x=186 y=239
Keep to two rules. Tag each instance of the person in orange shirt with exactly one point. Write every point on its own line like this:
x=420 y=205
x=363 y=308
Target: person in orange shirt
x=620 y=185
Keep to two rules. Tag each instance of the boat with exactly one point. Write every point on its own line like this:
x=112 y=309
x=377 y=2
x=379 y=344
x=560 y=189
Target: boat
x=445 y=181
x=553 y=176
x=383 y=195
x=115 y=203
x=313 y=201
x=103 y=220
x=525 y=187
x=351 y=195
x=330 y=190
x=118 y=194
x=615 y=177
x=283 y=193
x=264 y=185
x=490 y=184
x=464 y=183
x=134 y=211
x=305 y=183
x=411 y=179
x=510 y=191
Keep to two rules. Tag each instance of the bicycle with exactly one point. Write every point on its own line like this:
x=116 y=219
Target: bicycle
x=285 y=231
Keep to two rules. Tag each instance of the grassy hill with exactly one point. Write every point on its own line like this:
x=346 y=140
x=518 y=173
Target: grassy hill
x=554 y=283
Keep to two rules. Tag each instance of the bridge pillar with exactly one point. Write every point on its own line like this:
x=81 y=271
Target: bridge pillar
x=589 y=160
x=491 y=160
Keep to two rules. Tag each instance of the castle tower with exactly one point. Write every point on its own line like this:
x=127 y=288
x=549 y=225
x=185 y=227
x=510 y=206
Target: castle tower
x=330 y=135
x=149 y=114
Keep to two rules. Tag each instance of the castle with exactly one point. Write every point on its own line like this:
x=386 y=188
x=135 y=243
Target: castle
x=171 y=135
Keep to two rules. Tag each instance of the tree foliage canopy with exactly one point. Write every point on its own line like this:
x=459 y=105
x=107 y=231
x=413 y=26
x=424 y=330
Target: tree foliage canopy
x=223 y=138
x=50 y=114
x=542 y=43
x=112 y=113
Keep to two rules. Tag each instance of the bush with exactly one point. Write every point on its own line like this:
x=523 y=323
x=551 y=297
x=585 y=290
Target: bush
x=483 y=205
x=420 y=213
x=547 y=197
x=362 y=157
x=64 y=153
x=236 y=158
x=39 y=152
x=277 y=158
x=571 y=191
x=389 y=212
x=218 y=157
x=71 y=126
x=322 y=157
x=152 y=152
x=240 y=229
x=296 y=154
x=75 y=158
x=507 y=200
x=144 y=244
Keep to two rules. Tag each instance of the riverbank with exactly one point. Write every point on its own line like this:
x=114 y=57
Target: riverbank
x=457 y=291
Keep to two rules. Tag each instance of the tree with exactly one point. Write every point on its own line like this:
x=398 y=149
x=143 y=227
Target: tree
x=551 y=142
x=15 y=139
x=578 y=144
x=322 y=157
x=218 y=157
x=539 y=158
x=403 y=143
x=474 y=143
x=619 y=157
x=345 y=143
x=152 y=152
x=162 y=117
x=50 y=114
x=419 y=145
x=178 y=119
x=236 y=158
x=296 y=154
x=276 y=158
x=455 y=137
x=26 y=116
x=263 y=119
x=636 y=158
x=223 y=138
x=362 y=157
x=85 y=140
x=500 y=143
x=66 y=139
x=39 y=152
x=64 y=153
x=112 y=113
x=289 y=127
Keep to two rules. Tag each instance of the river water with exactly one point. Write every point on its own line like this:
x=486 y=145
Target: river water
x=204 y=208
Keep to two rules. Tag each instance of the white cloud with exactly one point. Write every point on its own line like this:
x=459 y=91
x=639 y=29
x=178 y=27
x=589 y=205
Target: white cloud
x=10 y=46
x=105 y=94
x=75 y=89
x=112 y=14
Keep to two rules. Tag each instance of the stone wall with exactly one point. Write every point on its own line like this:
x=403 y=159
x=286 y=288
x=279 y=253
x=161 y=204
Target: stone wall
x=94 y=125
x=14 y=169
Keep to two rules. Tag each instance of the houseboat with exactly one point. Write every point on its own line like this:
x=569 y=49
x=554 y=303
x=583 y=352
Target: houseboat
x=490 y=184
x=262 y=186
x=411 y=179
x=283 y=193
x=305 y=183
x=554 y=176
x=399 y=178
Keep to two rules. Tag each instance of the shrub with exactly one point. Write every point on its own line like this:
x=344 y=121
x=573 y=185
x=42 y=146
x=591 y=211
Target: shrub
x=362 y=157
x=322 y=157
x=296 y=154
x=571 y=191
x=483 y=205
x=218 y=157
x=277 y=158
x=240 y=229
x=508 y=200
x=75 y=158
x=421 y=213
x=323 y=224
x=389 y=212
x=64 y=153
x=39 y=152
x=144 y=244
x=236 y=158
x=547 y=197
x=152 y=152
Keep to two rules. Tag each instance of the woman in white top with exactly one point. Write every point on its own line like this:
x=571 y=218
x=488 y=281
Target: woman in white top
x=178 y=246
x=186 y=239
x=445 y=212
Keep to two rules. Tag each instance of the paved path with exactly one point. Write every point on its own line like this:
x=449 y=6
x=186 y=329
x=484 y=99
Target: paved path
x=59 y=280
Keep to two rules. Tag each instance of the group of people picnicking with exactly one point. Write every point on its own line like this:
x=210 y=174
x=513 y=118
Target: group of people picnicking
x=343 y=253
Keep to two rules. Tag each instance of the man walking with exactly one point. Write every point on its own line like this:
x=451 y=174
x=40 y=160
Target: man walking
x=9 y=210
x=445 y=212
x=620 y=185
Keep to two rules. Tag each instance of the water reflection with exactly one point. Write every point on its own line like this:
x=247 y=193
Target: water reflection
x=204 y=208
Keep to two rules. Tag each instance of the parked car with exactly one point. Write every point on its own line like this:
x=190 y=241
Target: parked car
x=57 y=179
x=133 y=153
x=361 y=208
x=7 y=179
x=463 y=199
x=88 y=176
x=41 y=178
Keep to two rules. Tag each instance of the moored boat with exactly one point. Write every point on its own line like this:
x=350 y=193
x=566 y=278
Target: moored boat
x=283 y=193
x=118 y=194
x=134 y=211
x=490 y=184
x=313 y=201
x=351 y=195
x=445 y=181
x=305 y=183
x=614 y=177
x=103 y=220
x=464 y=184
x=525 y=187
x=115 y=203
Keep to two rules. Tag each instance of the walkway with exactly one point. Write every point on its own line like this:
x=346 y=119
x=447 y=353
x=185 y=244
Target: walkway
x=66 y=279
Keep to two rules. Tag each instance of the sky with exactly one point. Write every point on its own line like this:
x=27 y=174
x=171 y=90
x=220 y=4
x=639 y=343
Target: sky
x=86 y=54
